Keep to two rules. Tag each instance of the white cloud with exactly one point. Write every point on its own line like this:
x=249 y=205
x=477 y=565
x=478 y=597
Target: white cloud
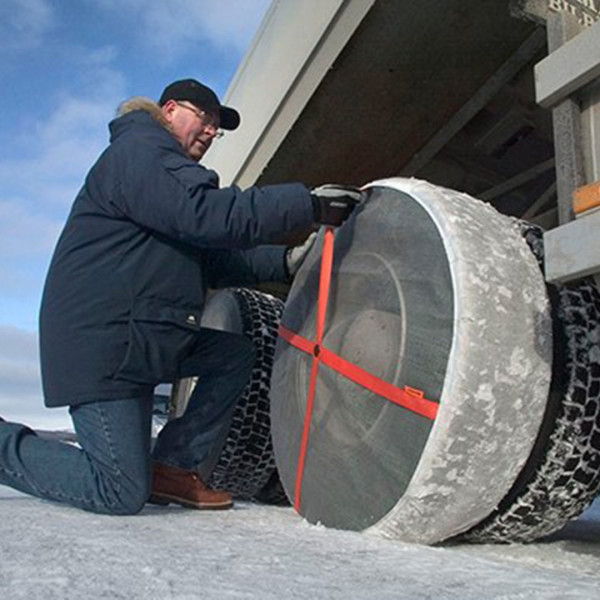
x=29 y=410
x=173 y=27
x=20 y=382
x=25 y=233
x=38 y=187
x=19 y=378
x=17 y=344
x=55 y=152
x=75 y=119
x=27 y=239
x=23 y=23
x=21 y=289
x=50 y=158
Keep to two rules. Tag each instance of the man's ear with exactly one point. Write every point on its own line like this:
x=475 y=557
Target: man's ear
x=167 y=109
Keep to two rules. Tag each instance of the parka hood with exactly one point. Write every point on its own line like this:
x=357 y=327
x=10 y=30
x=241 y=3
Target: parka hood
x=145 y=104
x=136 y=111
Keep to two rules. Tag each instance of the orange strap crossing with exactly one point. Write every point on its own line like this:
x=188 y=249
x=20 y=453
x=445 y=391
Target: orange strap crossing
x=407 y=397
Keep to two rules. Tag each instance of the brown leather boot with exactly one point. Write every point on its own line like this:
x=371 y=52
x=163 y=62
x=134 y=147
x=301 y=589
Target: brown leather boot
x=171 y=484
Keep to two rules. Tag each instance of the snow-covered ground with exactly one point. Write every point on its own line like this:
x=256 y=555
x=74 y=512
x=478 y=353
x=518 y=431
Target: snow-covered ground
x=254 y=551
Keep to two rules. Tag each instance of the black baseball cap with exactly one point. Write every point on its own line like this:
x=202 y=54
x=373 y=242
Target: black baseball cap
x=202 y=97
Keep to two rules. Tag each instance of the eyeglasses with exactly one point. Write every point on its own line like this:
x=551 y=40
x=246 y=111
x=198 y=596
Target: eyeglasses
x=209 y=121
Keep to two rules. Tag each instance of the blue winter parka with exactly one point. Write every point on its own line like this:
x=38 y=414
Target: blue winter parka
x=148 y=234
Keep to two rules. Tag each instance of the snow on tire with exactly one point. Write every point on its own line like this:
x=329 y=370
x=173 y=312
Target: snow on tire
x=562 y=476
x=246 y=463
x=437 y=294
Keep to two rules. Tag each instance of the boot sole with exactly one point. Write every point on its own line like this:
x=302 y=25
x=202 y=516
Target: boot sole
x=166 y=499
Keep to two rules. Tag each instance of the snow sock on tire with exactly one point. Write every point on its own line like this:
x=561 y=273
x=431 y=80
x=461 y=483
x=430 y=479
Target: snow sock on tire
x=436 y=295
x=562 y=476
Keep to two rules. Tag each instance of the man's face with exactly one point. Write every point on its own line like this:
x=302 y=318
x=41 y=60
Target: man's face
x=194 y=128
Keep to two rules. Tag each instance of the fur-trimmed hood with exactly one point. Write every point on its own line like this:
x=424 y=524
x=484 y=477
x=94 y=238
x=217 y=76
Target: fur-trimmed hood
x=146 y=104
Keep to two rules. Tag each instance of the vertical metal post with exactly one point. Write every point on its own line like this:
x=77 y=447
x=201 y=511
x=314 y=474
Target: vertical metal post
x=180 y=395
x=566 y=118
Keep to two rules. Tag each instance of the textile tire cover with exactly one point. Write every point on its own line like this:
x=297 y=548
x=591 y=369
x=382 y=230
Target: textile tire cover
x=433 y=290
x=246 y=463
x=562 y=476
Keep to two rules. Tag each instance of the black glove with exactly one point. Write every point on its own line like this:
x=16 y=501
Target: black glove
x=332 y=204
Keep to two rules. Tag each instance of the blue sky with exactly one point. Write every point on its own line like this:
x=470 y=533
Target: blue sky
x=65 y=65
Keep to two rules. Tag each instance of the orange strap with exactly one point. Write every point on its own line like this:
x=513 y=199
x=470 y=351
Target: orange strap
x=407 y=397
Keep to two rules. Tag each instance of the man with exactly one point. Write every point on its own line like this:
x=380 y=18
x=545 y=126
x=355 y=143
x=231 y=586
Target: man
x=148 y=233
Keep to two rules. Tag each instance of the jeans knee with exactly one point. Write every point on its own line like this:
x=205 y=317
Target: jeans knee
x=123 y=496
x=129 y=505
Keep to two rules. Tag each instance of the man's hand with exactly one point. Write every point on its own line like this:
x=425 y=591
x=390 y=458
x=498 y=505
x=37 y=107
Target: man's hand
x=332 y=204
x=295 y=255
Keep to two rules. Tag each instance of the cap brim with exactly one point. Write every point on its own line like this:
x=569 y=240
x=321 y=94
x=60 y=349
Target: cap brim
x=229 y=118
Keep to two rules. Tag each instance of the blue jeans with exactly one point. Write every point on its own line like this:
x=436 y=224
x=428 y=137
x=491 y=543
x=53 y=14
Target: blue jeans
x=112 y=471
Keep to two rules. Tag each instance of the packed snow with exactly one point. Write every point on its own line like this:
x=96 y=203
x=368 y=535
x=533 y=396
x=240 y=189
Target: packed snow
x=257 y=551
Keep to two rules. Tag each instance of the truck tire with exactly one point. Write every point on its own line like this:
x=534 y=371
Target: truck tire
x=246 y=463
x=562 y=476
x=272 y=492
x=437 y=294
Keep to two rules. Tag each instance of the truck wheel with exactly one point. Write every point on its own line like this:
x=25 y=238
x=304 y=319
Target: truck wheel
x=438 y=295
x=272 y=492
x=246 y=463
x=562 y=476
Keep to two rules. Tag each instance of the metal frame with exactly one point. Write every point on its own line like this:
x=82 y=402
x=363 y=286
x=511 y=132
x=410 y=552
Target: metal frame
x=563 y=79
x=517 y=181
x=523 y=55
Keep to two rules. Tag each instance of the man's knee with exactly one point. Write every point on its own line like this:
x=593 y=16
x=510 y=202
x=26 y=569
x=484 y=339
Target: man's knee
x=124 y=496
x=238 y=357
x=129 y=505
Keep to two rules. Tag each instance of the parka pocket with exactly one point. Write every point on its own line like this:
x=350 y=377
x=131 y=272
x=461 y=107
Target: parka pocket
x=160 y=336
